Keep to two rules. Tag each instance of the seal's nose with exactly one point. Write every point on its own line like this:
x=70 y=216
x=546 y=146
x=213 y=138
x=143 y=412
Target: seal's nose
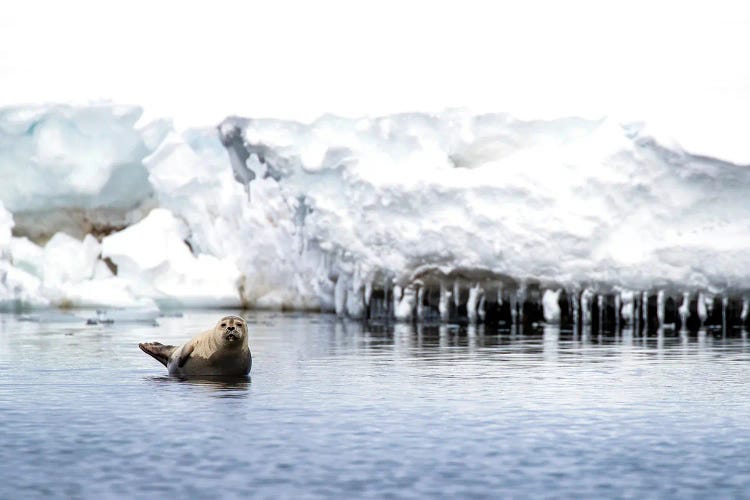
x=231 y=328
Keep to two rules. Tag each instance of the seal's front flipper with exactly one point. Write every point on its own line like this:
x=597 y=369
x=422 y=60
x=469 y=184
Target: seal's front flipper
x=185 y=355
x=158 y=351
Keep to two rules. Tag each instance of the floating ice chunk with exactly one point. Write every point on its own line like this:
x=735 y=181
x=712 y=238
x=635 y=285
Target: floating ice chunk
x=50 y=317
x=147 y=314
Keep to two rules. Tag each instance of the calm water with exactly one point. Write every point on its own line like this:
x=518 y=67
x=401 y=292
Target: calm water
x=336 y=409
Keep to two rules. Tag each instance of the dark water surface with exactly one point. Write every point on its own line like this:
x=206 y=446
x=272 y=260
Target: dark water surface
x=337 y=409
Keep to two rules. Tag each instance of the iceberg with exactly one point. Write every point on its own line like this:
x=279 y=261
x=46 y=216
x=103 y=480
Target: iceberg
x=75 y=168
x=411 y=216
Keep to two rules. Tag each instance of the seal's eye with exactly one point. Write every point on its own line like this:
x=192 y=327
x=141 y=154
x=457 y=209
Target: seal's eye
x=223 y=325
x=239 y=325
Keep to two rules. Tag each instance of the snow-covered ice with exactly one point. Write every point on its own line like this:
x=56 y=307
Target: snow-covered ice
x=77 y=168
x=454 y=209
x=156 y=263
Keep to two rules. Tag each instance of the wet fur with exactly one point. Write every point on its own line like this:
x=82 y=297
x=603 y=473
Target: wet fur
x=207 y=354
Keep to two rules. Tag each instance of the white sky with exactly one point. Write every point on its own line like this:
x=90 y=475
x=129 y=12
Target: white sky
x=200 y=61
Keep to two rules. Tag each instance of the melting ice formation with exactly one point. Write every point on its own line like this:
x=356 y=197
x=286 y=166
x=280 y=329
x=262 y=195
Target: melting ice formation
x=448 y=217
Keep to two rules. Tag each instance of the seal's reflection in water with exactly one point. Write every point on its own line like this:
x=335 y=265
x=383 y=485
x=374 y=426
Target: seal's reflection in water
x=221 y=387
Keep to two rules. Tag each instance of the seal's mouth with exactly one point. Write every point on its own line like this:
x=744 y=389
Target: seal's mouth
x=231 y=337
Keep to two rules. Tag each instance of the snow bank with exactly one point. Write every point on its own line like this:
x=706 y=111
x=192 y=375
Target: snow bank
x=454 y=210
x=153 y=258
x=568 y=202
x=18 y=288
x=76 y=168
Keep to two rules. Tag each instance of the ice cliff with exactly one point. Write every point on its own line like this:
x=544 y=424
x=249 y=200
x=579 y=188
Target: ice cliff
x=410 y=215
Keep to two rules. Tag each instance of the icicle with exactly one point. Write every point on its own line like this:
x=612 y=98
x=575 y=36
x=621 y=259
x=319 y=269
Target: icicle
x=660 y=308
x=684 y=310
x=339 y=295
x=500 y=294
x=702 y=312
x=724 y=305
x=710 y=305
x=404 y=309
x=600 y=307
x=551 y=306
x=513 y=300
x=644 y=309
x=473 y=302
x=397 y=292
x=386 y=301
x=628 y=307
x=586 y=299
x=355 y=306
x=481 y=310
x=420 y=303
x=520 y=299
x=443 y=304
x=618 y=307
x=745 y=309
x=368 y=292
x=456 y=293
x=575 y=303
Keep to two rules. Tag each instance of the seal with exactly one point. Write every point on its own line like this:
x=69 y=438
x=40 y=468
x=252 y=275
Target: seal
x=222 y=351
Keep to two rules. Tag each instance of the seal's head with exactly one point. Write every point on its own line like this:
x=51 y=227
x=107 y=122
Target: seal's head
x=232 y=331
